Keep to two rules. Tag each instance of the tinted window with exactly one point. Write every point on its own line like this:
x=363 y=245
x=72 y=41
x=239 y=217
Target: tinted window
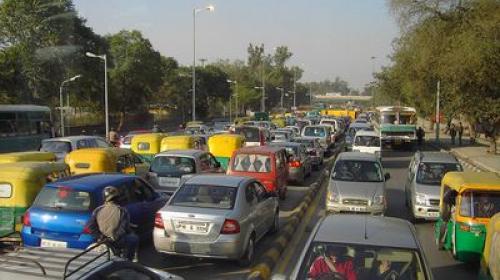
x=56 y=147
x=432 y=173
x=173 y=164
x=251 y=134
x=367 y=141
x=63 y=198
x=315 y=131
x=357 y=171
x=205 y=196
x=252 y=163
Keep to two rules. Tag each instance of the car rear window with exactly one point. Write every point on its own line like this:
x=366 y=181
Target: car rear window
x=367 y=141
x=56 y=147
x=315 y=131
x=63 y=198
x=173 y=164
x=205 y=196
x=252 y=163
x=251 y=134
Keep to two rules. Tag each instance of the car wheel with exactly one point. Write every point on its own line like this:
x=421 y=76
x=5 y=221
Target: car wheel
x=276 y=222
x=247 y=258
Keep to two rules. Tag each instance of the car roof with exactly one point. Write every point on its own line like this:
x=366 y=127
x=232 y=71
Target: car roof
x=367 y=133
x=442 y=157
x=359 y=125
x=286 y=144
x=366 y=229
x=356 y=156
x=70 y=138
x=260 y=149
x=218 y=180
x=189 y=153
x=93 y=182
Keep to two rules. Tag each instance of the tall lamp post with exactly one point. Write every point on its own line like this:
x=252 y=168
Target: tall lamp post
x=106 y=104
x=236 y=99
x=209 y=8
x=282 y=94
x=61 y=102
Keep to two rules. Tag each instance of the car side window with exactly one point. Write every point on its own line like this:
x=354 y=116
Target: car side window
x=260 y=191
x=250 y=195
x=139 y=191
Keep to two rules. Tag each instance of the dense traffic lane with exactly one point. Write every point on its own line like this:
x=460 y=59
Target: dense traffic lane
x=196 y=268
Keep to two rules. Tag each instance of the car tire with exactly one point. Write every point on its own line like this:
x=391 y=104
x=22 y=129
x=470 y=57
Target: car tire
x=247 y=258
x=275 y=228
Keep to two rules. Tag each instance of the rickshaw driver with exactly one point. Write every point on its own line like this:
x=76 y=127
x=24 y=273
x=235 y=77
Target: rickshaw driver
x=485 y=208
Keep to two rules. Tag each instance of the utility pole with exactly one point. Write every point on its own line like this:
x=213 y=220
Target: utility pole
x=294 y=88
x=263 y=100
x=438 y=114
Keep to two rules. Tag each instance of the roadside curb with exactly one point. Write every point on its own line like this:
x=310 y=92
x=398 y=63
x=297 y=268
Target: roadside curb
x=263 y=269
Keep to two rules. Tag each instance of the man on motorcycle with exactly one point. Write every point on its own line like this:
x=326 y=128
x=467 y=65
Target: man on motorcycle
x=112 y=221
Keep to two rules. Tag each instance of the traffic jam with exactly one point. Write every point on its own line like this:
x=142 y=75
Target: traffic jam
x=86 y=207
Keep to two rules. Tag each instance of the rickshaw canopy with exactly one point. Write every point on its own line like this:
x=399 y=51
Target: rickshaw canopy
x=180 y=142
x=223 y=145
x=27 y=156
x=148 y=143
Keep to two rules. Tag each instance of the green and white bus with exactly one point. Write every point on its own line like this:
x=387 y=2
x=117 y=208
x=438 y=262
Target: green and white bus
x=397 y=126
x=22 y=127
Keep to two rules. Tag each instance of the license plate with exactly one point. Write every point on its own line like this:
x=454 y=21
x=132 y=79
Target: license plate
x=356 y=209
x=433 y=214
x=191 y=227
x=53 y=244
x=169 y=181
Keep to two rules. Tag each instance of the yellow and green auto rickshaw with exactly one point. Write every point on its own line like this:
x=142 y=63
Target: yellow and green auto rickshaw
x=181 y=142
x=95 y=160
x=490 y=261
x=468 y=201
x=222 y=146
x=20 y=182
x=27 y=156
x=146 y=146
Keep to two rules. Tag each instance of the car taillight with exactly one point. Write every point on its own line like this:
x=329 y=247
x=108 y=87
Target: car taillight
x=26 y=219
x=294 y=163
x=159 y=221
x=86 y=230
x=230 y=227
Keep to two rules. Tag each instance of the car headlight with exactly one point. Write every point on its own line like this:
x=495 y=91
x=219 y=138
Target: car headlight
x=333 y=196
x=420 y=199
x=379 y=199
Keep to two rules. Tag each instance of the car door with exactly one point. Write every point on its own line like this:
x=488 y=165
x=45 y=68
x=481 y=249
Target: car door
x=281 y=169
x=409 y=178
x=266 y=204
x=253 y=214
x=143 y=204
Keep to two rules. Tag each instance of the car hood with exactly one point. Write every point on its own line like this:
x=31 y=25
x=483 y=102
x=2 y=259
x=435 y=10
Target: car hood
x=363 y=190
x=432 y=191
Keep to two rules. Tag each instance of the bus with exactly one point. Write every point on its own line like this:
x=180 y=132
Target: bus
x=397 y=126
x=22 y=127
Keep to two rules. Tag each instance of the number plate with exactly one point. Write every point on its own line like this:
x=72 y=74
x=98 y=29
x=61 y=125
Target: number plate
x=356 y=209
x=53 y=244
x=433 y=214
x=191 y=227
x=169 y=181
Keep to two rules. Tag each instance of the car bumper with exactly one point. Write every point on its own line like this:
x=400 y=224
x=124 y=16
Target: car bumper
x=224 y=247
x=333 y=207
x=34 y=240
x=430 y=213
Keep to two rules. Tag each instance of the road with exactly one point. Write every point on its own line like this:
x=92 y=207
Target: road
x=396 y=163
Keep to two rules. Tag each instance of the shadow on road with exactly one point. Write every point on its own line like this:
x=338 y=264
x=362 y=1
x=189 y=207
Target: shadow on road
x=454 y=271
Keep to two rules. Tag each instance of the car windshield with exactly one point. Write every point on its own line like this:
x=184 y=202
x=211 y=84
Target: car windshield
x=251 y=134
x=63 y=198
x=479 y=204
x=367 y=141
x=205 y=196
x=315 y=131
x=56 y=146
x=173 y=165
x=432 y=173
x=252 y=163
x=357 y=171
x=360 y=261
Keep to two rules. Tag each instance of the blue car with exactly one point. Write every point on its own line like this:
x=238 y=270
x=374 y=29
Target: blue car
x=59 y=215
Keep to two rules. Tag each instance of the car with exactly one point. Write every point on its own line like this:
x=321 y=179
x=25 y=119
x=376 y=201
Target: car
x=351 y=132
x=363 y=244
x=216 y=216
x=168 y=168
x=254 y=136
x=321 y=132
x=72 y=264
x=357 y=185
x=313 y=149
x=126 y=141
x=61 y=146
x=281 y=135
x=61 y=210
x=422 y=186
x=367 y=142
x=335 y=125
x=299 y=162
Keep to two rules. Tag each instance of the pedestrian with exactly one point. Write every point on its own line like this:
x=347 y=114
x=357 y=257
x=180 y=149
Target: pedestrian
x=420 y=135
x=114 y=139
x=112 y=221
x=453 y=133
x=460 y=133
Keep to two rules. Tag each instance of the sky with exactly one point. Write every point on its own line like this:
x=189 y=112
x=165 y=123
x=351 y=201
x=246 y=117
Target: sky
x=328 y=38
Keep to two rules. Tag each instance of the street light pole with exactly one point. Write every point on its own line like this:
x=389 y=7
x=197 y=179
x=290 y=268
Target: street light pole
x=61 y=101
x=209 y=8
x=282 y=94
x=294 y=87
x=236 y=96
x=106 y=104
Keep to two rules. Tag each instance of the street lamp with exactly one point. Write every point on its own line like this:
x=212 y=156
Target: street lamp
x=282 y=94
x=209 y=8
x=106 y=105
x=236 y=101
x=61 y=102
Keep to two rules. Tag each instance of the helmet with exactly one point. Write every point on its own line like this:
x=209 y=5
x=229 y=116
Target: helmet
x=110 y=193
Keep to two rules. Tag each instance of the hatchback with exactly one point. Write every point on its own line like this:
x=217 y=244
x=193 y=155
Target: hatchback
x=216 y=216
x=299 y=161
x=364 y=247
x=61 y=210
x=321 y=132
x=314 y=150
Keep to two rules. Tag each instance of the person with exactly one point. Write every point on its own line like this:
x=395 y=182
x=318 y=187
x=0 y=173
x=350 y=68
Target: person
x=420 y=135
x=382 y=271
x=460 y=133
x=453 y=133
x=485 y=208
x=114 y=139
x=334 y=261
x=112 y=221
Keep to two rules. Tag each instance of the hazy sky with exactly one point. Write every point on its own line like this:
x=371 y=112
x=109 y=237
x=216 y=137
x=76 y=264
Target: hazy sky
x=327 y=37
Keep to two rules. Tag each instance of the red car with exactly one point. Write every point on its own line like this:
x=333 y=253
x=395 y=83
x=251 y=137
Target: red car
x=265 y=163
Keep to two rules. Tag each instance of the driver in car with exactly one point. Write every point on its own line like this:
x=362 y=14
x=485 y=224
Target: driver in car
x=333 y=265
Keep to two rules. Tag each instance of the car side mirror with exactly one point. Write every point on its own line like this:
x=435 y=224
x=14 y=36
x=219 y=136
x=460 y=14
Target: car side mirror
x=387 y=176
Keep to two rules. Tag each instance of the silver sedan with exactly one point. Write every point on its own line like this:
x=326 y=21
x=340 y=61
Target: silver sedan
x=216 y=216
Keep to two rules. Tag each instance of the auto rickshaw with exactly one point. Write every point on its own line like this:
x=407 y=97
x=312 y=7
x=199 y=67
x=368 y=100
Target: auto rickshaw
x=27 y=156
x=94 y=160
x=490 y=261
x=222 y=146
x=147 y=145
x=468 y=201
x=181 y=142
x=20 y=182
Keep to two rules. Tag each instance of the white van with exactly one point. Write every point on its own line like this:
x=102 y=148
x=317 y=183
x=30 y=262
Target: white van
x=366 y=142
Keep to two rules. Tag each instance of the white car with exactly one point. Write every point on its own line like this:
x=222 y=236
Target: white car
x=62 y=146
x=366 y=142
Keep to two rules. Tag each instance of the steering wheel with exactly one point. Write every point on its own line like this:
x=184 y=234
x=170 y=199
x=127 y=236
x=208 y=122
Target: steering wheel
x=331 y=276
